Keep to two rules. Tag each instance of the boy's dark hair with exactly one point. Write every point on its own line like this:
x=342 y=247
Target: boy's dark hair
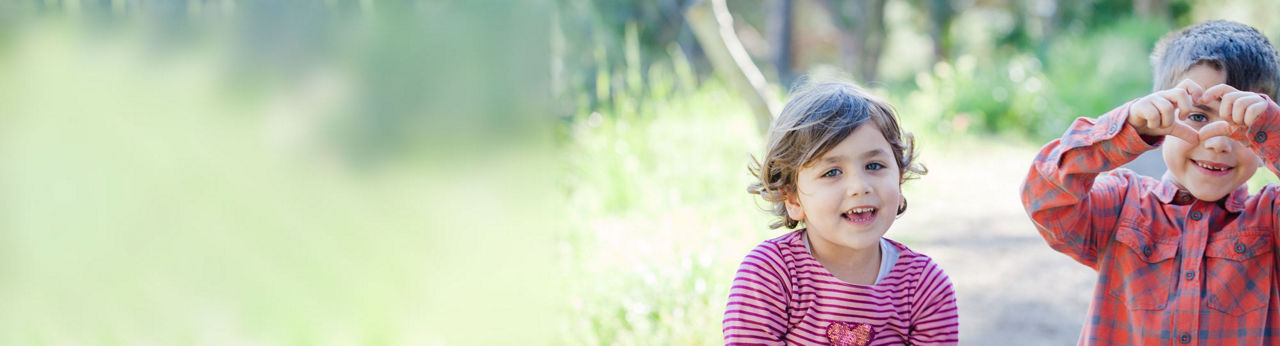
x=1246 y=56
x=818 y=117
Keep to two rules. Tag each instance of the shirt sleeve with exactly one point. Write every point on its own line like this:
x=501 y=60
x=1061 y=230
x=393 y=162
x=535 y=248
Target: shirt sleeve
x=1264 y=136
x=756 y=313
x=1073 y=208
x=935 y=319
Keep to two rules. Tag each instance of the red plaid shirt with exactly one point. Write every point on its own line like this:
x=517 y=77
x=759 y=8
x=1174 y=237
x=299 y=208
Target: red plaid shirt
x=1172 y=269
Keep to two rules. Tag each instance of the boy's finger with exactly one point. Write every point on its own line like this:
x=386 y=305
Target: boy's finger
x=1251 y=114
x=1239 y=107
x=1214 y=129
x=1215 y=93
x=1193 y=89
x=1166 y=111
x=1182 y=100
x=1186 y=133
x=1227 y=105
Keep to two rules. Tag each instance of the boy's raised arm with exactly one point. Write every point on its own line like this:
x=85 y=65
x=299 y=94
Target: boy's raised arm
x=1073 y=208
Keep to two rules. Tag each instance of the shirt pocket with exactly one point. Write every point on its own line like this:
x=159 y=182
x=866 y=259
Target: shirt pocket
x=1145 y=272
x=1238 y=271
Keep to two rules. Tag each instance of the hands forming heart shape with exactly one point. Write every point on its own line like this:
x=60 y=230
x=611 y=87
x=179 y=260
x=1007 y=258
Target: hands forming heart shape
x=1170 y=112
x=1218 y=128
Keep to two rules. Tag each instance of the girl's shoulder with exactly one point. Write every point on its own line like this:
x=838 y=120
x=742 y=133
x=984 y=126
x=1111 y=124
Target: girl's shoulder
x=783 y=244
x=915 y=263
x=780 y=252
x=791 y=238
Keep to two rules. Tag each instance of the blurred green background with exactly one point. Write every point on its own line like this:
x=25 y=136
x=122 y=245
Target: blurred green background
x=363 y=172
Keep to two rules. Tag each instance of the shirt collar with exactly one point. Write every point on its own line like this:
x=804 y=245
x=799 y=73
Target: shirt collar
x=1168 y=193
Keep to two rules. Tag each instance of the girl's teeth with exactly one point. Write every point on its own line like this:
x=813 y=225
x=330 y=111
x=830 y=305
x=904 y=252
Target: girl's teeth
x=860 y=210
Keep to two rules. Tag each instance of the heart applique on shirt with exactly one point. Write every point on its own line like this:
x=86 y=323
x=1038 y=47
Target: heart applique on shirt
x=844 y=334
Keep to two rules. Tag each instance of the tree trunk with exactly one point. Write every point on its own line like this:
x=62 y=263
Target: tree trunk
x=1158 y=9
x=940 y=13
x=713 y=25
x=780 y=31
x=862 y=31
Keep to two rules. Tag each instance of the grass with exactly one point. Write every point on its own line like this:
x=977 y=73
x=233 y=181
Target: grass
x=659 y=219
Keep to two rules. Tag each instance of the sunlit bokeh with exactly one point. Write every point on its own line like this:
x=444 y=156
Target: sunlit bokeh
x=276 y=173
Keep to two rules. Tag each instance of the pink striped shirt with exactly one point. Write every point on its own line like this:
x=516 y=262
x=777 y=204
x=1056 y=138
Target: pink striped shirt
x=782 y=295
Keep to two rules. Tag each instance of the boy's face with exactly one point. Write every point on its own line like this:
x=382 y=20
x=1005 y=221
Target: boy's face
x=1216 y=166
x=849 y=197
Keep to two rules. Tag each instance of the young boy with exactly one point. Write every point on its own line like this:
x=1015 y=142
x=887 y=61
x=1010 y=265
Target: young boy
x=1189 y=258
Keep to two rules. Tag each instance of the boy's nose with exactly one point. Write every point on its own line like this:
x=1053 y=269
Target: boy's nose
x=1220 y=144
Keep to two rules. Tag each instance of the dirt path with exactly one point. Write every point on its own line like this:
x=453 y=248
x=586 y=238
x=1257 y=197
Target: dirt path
x=1013 y=289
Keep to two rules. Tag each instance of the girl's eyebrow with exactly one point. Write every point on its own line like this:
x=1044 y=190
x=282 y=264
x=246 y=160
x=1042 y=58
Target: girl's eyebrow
x=834 y=159
x=1205 y=108
x=842 y=158
x=873 y=153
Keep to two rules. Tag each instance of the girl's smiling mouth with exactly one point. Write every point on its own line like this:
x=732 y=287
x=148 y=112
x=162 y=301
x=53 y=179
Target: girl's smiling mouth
x=860 y=215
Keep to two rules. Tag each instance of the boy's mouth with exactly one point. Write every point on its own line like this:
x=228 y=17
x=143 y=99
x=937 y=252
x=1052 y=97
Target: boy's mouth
x=1213 y=168
x=860 y=215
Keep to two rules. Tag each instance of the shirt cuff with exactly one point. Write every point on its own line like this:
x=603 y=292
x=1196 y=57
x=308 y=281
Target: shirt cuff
x=1115 y=126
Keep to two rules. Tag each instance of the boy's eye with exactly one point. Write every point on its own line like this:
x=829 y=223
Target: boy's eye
x=875 y=166
x=831 y=173
x=1197 y=117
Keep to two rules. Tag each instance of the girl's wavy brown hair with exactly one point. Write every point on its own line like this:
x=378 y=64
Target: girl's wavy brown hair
x=819 y=116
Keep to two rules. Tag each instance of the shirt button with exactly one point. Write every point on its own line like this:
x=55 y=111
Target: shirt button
x=1186 y=338
x=1196 y=215
x=1260 y=137
x=1240 y=248
x=1191 y=274
x=1146 y=251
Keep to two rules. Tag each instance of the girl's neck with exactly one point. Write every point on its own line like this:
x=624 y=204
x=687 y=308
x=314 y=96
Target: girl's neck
x=855 y=266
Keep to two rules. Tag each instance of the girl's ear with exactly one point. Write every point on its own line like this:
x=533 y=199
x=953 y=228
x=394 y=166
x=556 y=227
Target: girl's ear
x=902 y=201
x=794 y=210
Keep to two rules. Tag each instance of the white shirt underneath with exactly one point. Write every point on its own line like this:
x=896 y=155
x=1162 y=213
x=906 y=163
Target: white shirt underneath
x=888 y=256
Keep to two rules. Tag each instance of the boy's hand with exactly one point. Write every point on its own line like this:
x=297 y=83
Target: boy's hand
x=1158 y=114
x=1237 y=109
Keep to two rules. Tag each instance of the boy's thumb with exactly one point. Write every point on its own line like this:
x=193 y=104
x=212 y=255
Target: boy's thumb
x=1214 y=129
x=1186 y=133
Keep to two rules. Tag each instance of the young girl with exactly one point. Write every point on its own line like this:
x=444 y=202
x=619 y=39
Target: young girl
x=835 y=162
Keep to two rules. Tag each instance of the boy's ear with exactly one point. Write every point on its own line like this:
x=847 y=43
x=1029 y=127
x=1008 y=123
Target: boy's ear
x=794 y=210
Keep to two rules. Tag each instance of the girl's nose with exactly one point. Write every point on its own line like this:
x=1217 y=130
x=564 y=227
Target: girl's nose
x=858 y=186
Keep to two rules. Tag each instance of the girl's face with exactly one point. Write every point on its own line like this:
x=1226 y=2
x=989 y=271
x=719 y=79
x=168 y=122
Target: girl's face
x=849 y=197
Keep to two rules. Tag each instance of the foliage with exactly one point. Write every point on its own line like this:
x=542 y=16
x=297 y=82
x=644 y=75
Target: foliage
x=606 y=49
x=659 y=219
x=1019 y=94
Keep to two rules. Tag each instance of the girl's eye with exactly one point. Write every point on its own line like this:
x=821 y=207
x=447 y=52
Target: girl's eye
x=1197 y=117
x=831 y=173
x=875 y=166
